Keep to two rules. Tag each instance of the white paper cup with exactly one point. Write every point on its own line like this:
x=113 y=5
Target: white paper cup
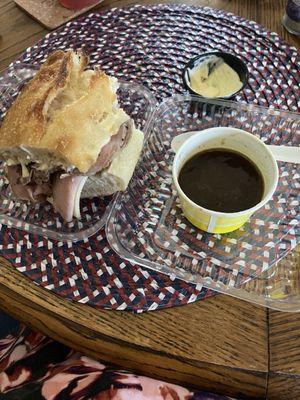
x=231 y=139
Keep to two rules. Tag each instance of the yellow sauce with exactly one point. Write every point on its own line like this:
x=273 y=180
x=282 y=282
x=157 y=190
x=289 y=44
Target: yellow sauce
x=222 y=81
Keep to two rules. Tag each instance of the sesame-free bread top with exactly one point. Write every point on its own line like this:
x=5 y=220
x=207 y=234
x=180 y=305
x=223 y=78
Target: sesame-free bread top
x=65 y=115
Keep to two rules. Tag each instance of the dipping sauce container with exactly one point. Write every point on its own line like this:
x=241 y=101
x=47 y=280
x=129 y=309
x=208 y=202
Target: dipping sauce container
x=232 y=139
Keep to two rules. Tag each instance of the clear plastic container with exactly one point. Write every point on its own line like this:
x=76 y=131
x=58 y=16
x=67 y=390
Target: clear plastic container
x=136 y=100
x=291 y=18
x=146 y=225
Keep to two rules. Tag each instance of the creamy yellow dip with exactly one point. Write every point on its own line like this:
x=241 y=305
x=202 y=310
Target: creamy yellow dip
x=214 y=78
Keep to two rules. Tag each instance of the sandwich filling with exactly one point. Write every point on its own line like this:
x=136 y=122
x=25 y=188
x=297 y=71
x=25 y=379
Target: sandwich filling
x=63 y=188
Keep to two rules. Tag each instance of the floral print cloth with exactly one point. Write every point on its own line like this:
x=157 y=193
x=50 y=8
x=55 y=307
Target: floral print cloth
x=34 y=367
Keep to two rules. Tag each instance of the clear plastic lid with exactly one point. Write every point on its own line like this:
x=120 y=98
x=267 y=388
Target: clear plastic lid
x=146 y=225
x=136 y=100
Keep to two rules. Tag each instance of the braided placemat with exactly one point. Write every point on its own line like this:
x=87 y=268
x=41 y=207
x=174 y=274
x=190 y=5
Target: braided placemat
x=149 y=44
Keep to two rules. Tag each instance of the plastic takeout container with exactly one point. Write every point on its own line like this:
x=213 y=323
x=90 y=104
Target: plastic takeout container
x=146 y=225
x=136 y=100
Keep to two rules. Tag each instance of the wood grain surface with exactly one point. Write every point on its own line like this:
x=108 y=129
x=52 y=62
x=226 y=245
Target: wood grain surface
x=284 y=345
x=195 y=345
x=283 y=387
x=220 y=344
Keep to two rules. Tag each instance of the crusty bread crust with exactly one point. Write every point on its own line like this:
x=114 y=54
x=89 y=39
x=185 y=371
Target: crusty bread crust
x=64 y=112
x=25 y=121
x=117 y=176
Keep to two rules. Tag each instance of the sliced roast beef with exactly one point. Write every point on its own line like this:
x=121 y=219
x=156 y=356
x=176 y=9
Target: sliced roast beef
x=40 y=176
x=25 y=189
x=115 y=144
x=65 y=188
x=42 y=191
x=20 y=190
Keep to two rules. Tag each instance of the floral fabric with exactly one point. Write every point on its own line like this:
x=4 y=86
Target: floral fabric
x=34 y=367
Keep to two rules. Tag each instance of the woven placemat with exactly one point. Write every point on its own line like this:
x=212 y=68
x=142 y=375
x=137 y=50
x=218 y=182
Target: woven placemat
x=149 y=44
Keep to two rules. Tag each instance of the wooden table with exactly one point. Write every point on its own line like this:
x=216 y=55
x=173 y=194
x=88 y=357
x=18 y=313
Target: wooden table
x=220 y=344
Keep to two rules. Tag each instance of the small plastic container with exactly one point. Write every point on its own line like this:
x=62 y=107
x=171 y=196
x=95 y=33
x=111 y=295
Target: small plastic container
x=239 y=66
x=136 y=100
x=147 y=227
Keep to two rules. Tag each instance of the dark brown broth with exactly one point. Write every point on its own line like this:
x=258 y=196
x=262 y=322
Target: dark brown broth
x=222 y=180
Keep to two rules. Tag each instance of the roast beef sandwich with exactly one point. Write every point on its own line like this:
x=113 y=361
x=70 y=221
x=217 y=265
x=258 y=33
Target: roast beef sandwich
x=65 y=137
